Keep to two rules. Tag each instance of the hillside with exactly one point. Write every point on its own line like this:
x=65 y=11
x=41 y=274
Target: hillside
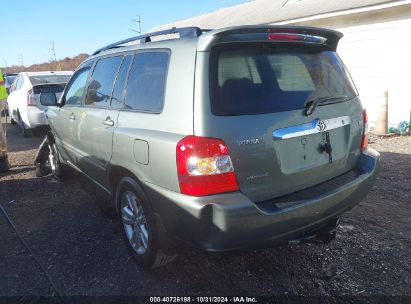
x=66 y=64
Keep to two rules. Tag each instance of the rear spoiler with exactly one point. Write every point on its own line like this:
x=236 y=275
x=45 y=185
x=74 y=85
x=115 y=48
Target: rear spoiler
x=261 y=33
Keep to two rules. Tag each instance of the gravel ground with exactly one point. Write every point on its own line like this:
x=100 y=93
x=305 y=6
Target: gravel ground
x=73 y=233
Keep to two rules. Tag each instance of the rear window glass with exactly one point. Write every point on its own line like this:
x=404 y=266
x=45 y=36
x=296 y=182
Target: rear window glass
x=261 y=78
x=43 y=79
x=57 y=89
x=146 y=82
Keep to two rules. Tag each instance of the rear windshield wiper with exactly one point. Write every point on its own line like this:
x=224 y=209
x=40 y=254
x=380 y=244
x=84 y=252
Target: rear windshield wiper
x=313 y=103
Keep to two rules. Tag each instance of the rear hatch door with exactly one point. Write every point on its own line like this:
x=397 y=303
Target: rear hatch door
x=259 y=94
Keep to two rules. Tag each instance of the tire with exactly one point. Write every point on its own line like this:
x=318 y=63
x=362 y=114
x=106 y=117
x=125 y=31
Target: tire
x=139 y=228
x=42 y=170
x=59 y=170
x=42 y=160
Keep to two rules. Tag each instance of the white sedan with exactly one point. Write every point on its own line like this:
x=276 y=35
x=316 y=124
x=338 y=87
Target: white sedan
x=24 y=99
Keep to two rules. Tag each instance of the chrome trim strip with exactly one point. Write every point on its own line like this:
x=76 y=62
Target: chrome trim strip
x=316 y=126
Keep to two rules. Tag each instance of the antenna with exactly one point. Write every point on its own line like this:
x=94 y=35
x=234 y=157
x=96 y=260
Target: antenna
x=138 y=23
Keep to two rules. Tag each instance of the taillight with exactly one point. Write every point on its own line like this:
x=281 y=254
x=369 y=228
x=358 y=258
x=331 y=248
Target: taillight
x=204 y=166
x=364 y=137
x=31 y=101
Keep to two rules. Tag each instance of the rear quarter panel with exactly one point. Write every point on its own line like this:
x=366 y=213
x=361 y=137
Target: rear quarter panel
x=161 y=131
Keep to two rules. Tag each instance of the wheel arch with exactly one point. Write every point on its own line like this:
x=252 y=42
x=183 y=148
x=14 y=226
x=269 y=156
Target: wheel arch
x=50 y=137
x=22 y=117
x=115 y=175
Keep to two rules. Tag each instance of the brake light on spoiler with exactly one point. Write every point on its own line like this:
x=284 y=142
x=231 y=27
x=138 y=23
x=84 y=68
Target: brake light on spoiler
x=275 y=36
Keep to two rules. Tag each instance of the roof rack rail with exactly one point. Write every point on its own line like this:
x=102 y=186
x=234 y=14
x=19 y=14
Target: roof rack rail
x=185 y=32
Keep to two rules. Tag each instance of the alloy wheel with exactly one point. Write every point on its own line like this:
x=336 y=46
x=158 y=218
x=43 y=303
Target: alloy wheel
x=134 y=222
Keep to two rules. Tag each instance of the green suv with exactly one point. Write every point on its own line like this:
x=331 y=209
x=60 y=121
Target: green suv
x=221 y=139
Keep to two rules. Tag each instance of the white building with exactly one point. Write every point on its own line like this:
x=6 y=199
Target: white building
x=376 y=47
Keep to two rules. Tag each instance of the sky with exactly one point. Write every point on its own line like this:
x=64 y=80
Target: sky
x=83 y=26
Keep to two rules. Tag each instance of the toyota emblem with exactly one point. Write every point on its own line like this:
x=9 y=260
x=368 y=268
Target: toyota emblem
x=321 y=125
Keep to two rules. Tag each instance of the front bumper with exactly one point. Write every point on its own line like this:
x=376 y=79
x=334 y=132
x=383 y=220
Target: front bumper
x=231 y=221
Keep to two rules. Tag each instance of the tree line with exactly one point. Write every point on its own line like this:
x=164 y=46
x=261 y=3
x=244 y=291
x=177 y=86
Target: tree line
x=66 y=64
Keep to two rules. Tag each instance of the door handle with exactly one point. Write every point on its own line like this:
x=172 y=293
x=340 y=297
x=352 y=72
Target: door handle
x=72 y=116
x=108 y=122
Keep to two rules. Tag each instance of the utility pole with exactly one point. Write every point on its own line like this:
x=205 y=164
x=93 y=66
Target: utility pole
x=5 y=66
x=53 y=51
x=20 y=58
x=53 y=55
x=138 y=24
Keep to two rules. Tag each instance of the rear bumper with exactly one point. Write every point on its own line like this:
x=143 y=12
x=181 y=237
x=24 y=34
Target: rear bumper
x=35 y=117
x=231 y=221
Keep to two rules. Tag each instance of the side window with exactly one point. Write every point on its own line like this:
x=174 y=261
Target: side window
x=76 y=87
x=102 y=81
x=116 y=100
x=146 y=82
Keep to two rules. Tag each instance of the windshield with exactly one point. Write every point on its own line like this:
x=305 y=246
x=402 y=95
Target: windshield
x=260 y=78
x=43 y=79
x=10 y=79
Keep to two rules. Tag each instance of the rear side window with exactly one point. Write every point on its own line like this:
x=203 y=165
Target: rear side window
x=146 y=82
x=102 y=81
x=266 y=78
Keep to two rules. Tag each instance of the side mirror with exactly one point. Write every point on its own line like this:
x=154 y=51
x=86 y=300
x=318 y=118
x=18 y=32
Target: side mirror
x=48 y=99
